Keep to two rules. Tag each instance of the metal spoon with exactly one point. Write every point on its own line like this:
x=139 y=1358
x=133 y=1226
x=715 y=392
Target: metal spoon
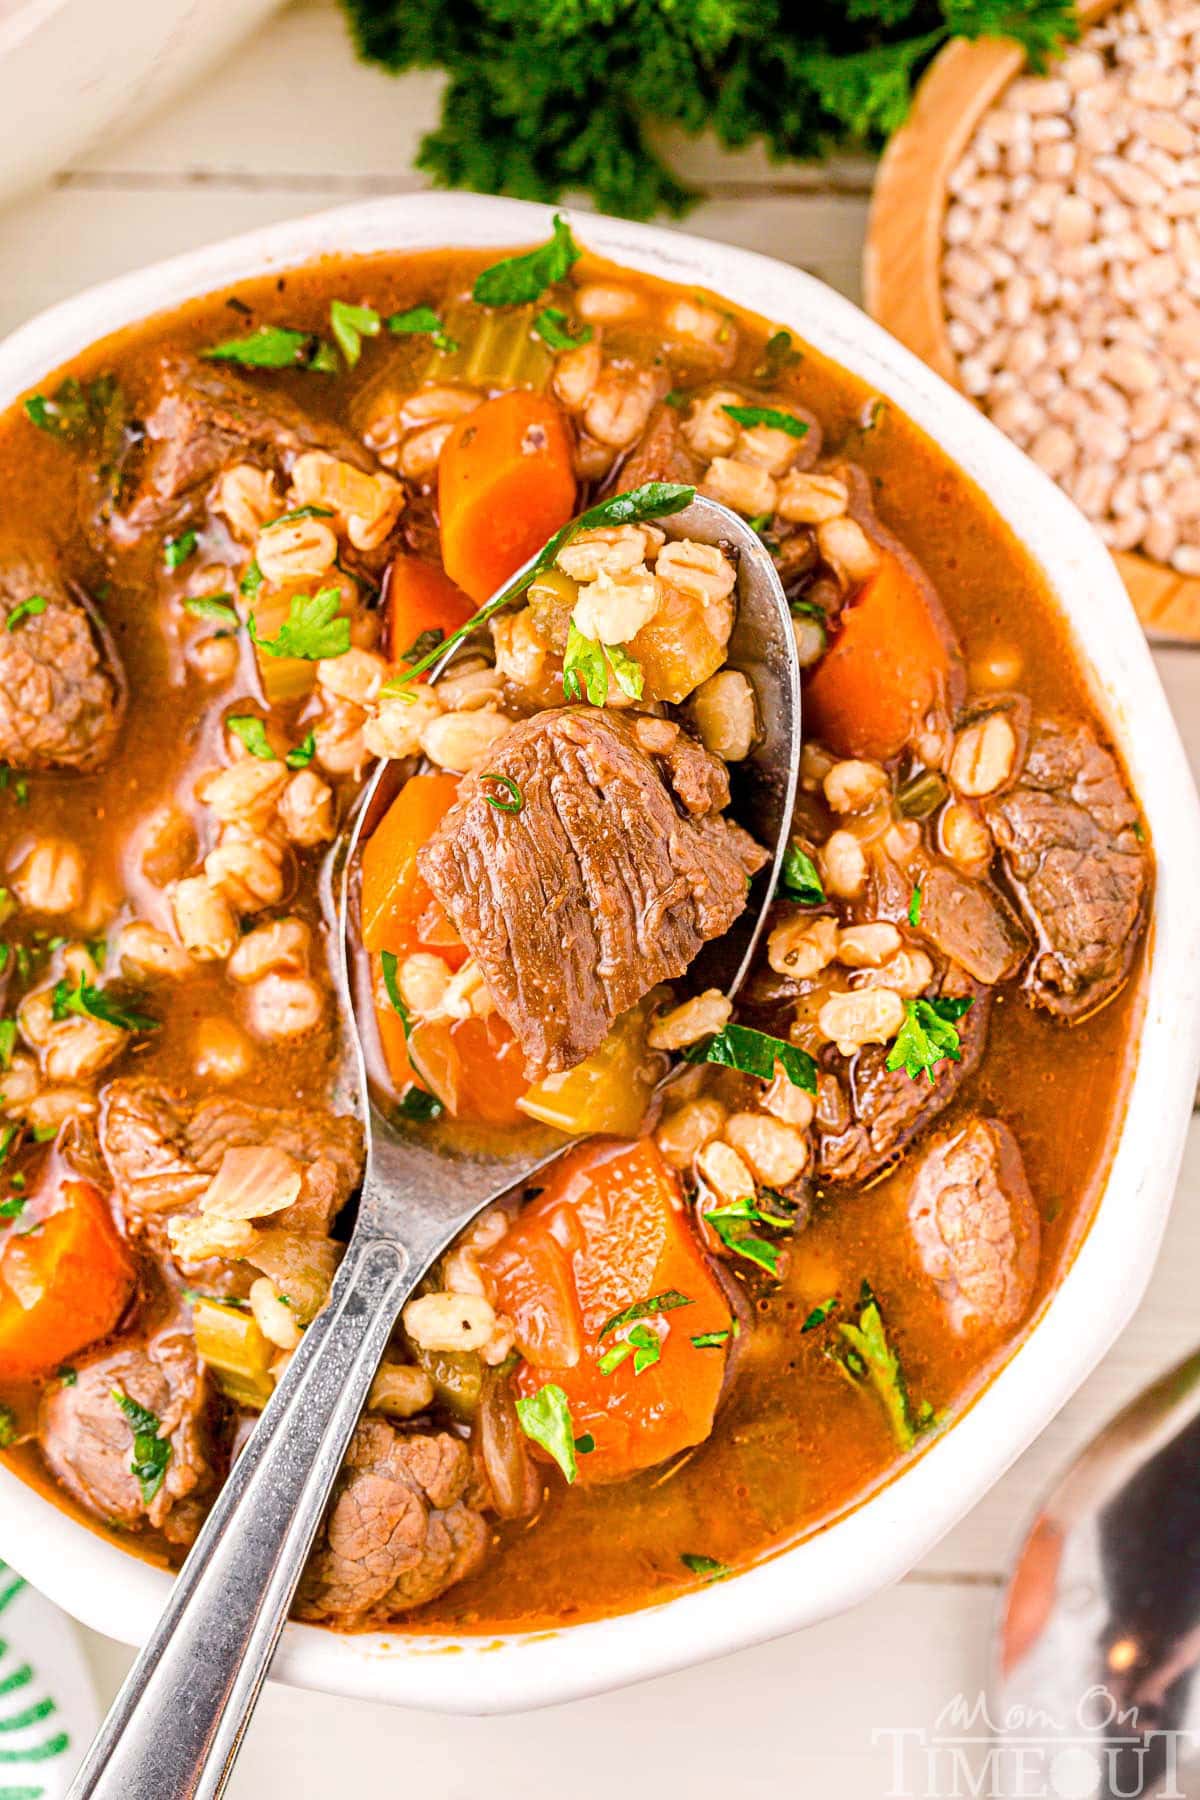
x=176 y=1726
x=1098 y=1643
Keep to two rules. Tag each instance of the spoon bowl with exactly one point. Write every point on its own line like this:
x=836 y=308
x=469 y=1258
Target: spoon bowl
x=421 y=1187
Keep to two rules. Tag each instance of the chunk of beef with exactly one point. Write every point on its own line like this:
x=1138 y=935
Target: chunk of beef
x=162 y=1150
x=660 y=454
x=88 y=1442
x=972 y=924
x=399 y=1529
x=60 y=701
x=202 y=420
x=868 y=1114
x=1066 y=833
x=975 y=1224
x=605 y=882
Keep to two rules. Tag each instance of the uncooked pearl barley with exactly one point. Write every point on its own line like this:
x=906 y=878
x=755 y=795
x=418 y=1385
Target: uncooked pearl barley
x=1071 y=274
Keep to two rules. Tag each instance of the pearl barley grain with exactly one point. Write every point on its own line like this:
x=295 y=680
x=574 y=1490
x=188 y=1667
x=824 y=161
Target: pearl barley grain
x=1071 y=274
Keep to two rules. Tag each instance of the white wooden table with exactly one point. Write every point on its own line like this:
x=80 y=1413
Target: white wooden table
x=289 y=125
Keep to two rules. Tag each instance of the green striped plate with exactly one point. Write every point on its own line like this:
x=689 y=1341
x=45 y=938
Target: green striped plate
x=48 y=1708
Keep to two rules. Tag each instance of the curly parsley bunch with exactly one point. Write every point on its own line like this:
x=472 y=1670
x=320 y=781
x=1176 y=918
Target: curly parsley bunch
x=547 y=97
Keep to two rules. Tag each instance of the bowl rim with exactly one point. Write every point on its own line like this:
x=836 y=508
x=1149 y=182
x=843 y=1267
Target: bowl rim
x=875 y=1544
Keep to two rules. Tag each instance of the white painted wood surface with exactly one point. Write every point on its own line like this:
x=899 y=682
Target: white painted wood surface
x=291 y=124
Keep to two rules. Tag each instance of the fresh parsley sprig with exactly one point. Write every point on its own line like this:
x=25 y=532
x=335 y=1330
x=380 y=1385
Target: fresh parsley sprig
x=756 y=1053
x=546 y=1418
x=519 y=280
x=314 y=628
x=151 y=1451
x=928 y=1036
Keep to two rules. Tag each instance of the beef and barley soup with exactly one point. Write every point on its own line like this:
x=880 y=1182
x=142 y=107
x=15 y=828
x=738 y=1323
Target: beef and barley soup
x=236 y=540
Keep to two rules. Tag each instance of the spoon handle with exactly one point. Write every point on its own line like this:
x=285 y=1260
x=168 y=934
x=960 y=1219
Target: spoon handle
x=177 y=1723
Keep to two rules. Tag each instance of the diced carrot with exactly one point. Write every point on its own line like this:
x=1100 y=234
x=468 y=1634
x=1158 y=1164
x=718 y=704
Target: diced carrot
x=474 y=1066
x=397 y=906
x=63 y=1285
x=894 y=656
x=421 y=597
x=611 y=1230
x=506 y=482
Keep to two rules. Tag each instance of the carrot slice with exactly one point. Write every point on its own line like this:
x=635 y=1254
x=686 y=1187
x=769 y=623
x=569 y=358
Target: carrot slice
x=396 y=903
x=893 y=658
x=421 y=597
x=610 y=1231
x=506 y=482
x=62 y=1286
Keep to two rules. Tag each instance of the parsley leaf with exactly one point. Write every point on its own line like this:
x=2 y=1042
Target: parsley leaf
x=771 y=416
x=94 y=1003
x=253 y=733
x=27 y=609
x=389 y=962
x=819 y=1314
x=799 y=878
x=780 y=354
x=652 y=500
x=756 y=1053
x=418 y=1103
x=350 y=325
x=302 y=755
x=520 y=279
x=276 y=347
x=13 y=1207
x=914 y=906
x=8 y=1427
x=708 y=1566
x=74 y=410
x=300 y=512
x=546 y=1418
x=732 y=1224
x=313 y=629
x=587 y=665
x=423 y=320
x=710 y=1340
x=646 y=1309
x=176 y=550
x=878 y=1365
x=251 y=581
x=151 y=1453
x=554 y=328
x=8 y=1039
x=927 y=1037
x=214 y=606
x=643 y=1344
x=516 y=798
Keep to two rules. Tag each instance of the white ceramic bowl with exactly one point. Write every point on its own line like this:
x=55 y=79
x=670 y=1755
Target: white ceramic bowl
x=877 y=1543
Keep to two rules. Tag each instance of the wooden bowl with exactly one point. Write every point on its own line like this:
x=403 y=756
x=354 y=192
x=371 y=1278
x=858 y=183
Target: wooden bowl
x=902 y=258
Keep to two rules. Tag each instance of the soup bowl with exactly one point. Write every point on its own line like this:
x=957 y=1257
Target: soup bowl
x=883 y=1536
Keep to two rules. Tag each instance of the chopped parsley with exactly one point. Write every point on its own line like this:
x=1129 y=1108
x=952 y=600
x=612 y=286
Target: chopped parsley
x=652 y=500
x=759 y=522
x=308 y=511
x=251 y=581
x=587 y=665
x=734 y=1224
x=554 y=328
x=68 y=1376
x=516 y=798
x=710 y=1340
x=8 y=1427
x=314 y=628
x=425 y=641
x=176 y=550
x=708 y=1566
x=7 y=1136
x=74 y=409
x=771 y=416
x=424 y=321
x=914 y=907
x=870 y=1358
x=218 y=607
x=780 y=354
x=756 y=1053
x=798 y=877
x=302 y=755
x=90 y=1002
x=8 y=1039
x=151 y=1452
x=27 y=609
x=388 y=962
x=518 y=280
x=585 y=1444
x=13 y=1207
x=643 y=1344
x=667 y=1301
x=819 y=1314
x=276 y=347
x=253 y=733
x=546 y=1418
x=350 y=325
x=419 y=1104
x=928 y=1036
